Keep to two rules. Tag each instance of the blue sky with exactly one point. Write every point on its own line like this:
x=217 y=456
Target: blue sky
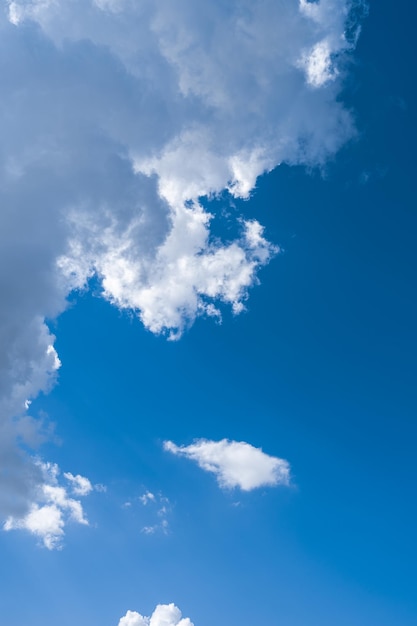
x=298 y=339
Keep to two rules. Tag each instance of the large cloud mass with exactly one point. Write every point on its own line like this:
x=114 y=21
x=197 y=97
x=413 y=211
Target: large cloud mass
x=117 y=117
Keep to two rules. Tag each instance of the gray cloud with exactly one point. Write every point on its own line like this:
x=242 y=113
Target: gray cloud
x=116 y=117
x=50 y=507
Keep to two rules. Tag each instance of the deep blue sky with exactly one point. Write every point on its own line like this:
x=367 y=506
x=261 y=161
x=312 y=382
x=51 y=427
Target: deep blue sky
x=319 y=370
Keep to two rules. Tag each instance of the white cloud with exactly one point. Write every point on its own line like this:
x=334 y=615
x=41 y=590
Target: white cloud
x=148 y=496
x=132 y=618
x=52 y=508
x=235 y=463
x=318 y=64
x=163 y=615
x=116 y=118
x=155 y=519
x=80 y=485
x=162 y=526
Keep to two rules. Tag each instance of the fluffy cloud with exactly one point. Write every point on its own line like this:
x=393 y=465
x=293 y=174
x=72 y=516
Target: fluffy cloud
x=235 y=463
x=117 y=118
x=80 y=485
x=148 y=496
x=52 y=507
x=164 y=615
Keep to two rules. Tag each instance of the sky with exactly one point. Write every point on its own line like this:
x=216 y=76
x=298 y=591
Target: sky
x=208 y=313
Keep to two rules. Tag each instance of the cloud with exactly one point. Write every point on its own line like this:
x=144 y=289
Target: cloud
x=163 y=527
x=52 y=508
x=148 y=496
x=117 y=119
x=158 y=510
x=235 y=463
x=80 y=485
x=164 y=615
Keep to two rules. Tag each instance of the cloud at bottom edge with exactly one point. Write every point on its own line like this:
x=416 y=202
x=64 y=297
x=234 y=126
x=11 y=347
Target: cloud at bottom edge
x=163 y=615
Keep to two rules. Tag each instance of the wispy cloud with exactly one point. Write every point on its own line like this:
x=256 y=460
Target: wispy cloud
x=154 y=519
x=235 y=463
x=161 y=507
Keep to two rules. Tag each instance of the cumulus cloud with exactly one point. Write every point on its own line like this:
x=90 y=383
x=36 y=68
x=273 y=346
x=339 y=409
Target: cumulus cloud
x=80 y=485
x=52 y=508
x=164 y=615
x=117 y=119
x=235 y=463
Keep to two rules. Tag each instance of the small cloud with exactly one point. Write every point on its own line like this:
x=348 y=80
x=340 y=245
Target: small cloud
x=80 y=485
x=158 y=510
x=163 y=615
x=53 y=508
x=100 y=488
x=147 y=497
x=148 y=530
x=373 y=175
x=235 y=463
x=163 y=527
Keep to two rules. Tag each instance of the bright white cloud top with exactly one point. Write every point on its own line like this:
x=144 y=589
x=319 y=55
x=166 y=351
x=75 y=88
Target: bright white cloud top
x=81 y=486
x=164 y=615
x=235 y=463
x=117 y=118
x=53 y=507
